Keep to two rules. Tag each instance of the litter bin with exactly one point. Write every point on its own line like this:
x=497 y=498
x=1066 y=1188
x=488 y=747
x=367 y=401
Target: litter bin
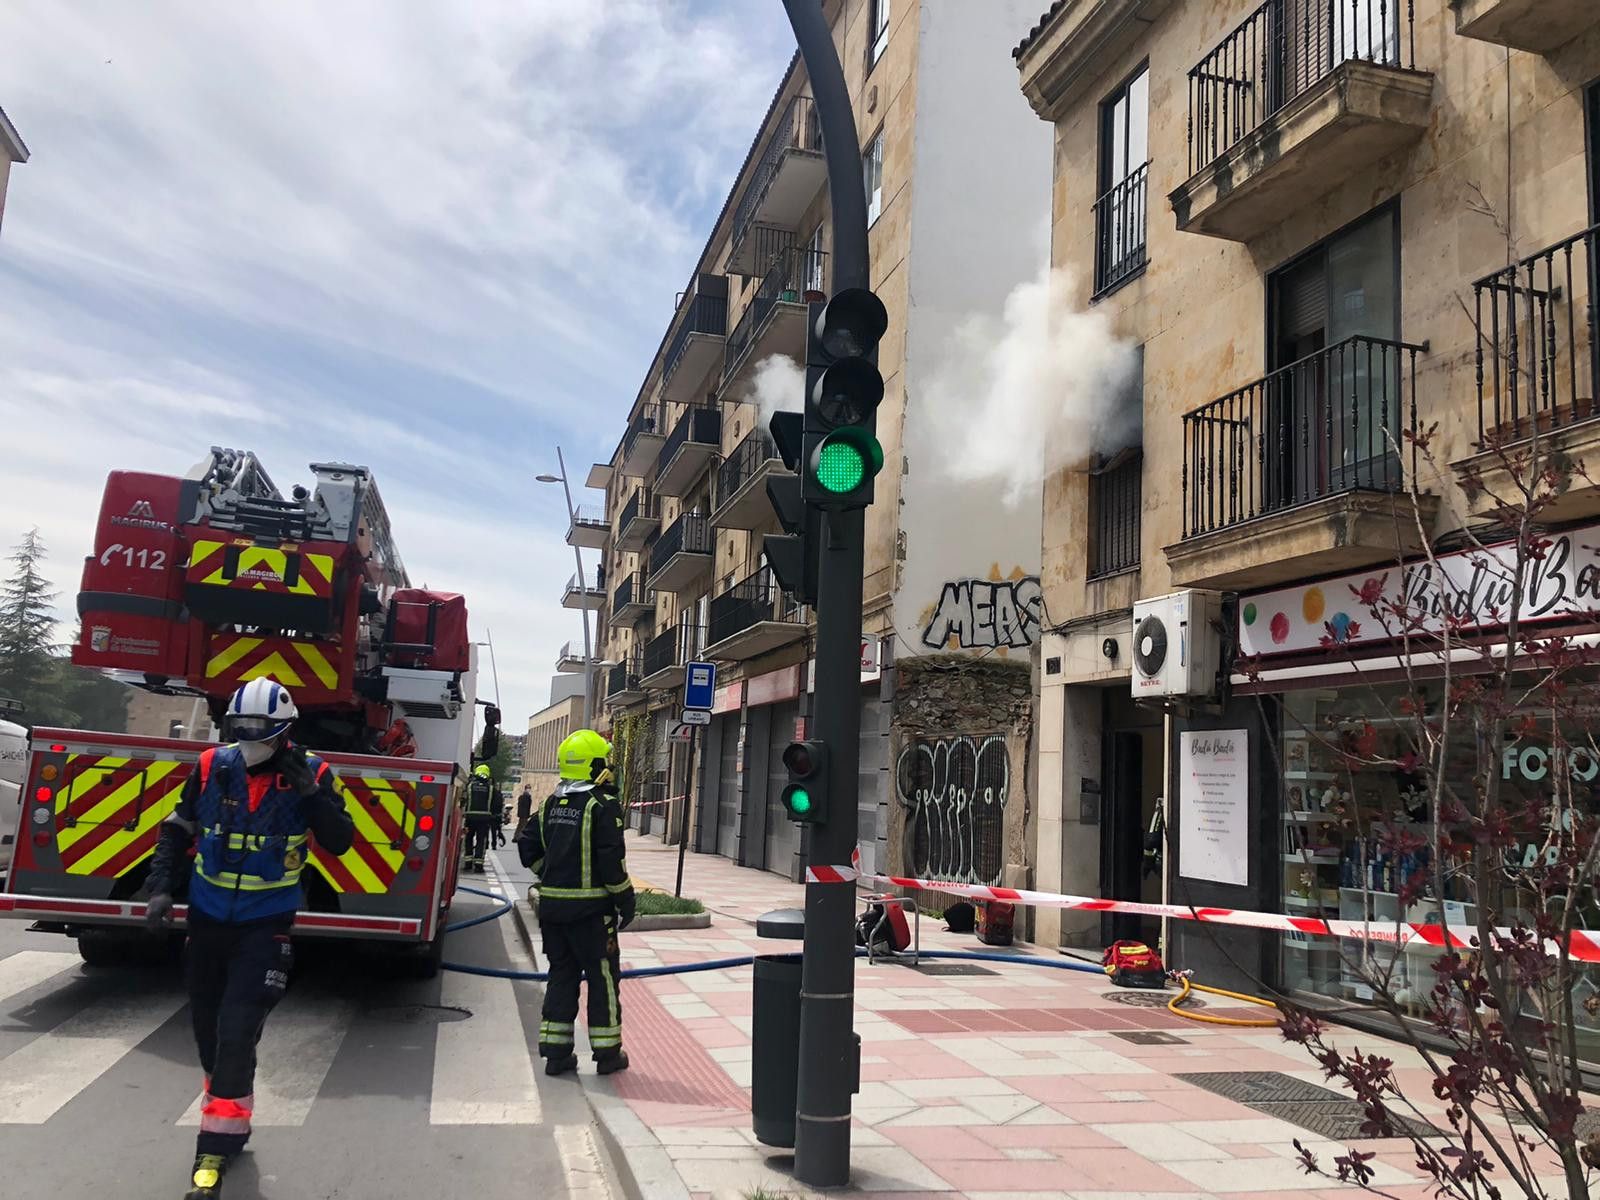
x=775 y=1032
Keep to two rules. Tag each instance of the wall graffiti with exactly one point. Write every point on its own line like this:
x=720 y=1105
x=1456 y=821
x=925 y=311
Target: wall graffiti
x=983 y=614
x=955 y=791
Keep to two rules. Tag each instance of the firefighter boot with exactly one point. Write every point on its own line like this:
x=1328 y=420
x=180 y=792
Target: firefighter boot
x=207 y=1178
x=609 y=1062
x=561 y=1064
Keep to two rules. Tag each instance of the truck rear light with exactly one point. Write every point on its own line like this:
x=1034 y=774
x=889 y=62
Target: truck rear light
x=427 y=779
x=421 y=842
x=41 y=816
x=427 y=803
x=414 y=863
x=41 y=839
x=43 y=795
x=58 y=748
x=425 y=824
x=49 y=773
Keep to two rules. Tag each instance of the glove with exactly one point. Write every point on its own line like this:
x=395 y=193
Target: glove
x=625 y=908
x=158 y=912
x=296 y=771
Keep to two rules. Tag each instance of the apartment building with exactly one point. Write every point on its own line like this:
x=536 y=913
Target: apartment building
x=1325 y=224
x=956 y=172
x=12 y=150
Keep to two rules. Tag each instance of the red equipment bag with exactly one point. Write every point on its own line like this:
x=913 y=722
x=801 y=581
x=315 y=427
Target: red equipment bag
x=1133 y=964
x=995 y=921
x=428 y=630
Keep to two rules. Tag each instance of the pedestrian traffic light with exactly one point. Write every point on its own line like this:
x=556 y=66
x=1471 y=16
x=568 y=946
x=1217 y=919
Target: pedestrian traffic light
x=792 y=555
x=843 y=390
x=805 y=797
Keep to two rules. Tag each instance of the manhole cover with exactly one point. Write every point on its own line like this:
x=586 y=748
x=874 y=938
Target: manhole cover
x=952 y=969
x=1150 y=999
x=420 y=1014
x=1307 y=1105
x=1149 y=1037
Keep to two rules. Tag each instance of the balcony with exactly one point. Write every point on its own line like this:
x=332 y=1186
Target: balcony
x=581 y=594
x=622 y=683
x=570 y=661
x=588 y=529
x=786 y=180
x=632 y=600
x=1120 y=220
x=692 y=444
x=752 y=618
x=641 y=517
x=1064 y=57
x=682 y=553
x=1538 y=26
x=641 y=445
x=741 y=497
x=1294 y=102
x=666 y=655
x=698 y=345
x=774 y=321
x=1308 y=470
x=1538 y=371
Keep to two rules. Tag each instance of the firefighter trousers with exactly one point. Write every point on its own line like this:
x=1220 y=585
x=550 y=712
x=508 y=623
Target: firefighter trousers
x=477 y=839
x=236 y=976
x=581 y=950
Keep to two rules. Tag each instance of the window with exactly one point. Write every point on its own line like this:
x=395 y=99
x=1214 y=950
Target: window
x=872 y=176
x=811 y=267
x=879 y=30
x=1116 y=486
x=1119 y=213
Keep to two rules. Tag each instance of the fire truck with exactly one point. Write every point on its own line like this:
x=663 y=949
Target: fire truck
x=198 y=584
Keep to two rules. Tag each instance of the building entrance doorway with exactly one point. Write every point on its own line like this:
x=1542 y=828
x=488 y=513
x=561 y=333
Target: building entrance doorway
x=1132 y=766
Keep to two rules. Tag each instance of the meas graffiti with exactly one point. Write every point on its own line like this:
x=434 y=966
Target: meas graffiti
x=982 y=614
x=955 y=790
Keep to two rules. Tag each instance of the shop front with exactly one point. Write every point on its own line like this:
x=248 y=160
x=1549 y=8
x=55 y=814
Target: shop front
x=1388 y=737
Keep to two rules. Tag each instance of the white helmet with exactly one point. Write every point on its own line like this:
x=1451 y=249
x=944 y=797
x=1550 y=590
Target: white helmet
x=260 y=711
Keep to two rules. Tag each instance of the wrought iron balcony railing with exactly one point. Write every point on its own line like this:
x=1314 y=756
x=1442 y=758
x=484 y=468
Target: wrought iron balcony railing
x=744 y=462
x=1281 y=51
x=672 y=648
x=754 y=599
x=707 y=314
x=792 y=273
x=624 y=677
x=1119 y=230
x=689 y=534
x=797 y=129
x=701 y=423
x=1538 y=341
x=1335 y=422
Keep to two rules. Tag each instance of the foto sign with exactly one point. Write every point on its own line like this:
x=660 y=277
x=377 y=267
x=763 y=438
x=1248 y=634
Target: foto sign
x=699 y=686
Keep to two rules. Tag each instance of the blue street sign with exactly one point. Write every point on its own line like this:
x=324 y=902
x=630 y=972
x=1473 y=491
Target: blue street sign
x=699 y=686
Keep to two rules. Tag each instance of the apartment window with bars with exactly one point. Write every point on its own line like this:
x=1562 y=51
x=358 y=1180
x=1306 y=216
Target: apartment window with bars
x=1121 y=208
x=872 y=176
x=1116 y=487
x=880 y=31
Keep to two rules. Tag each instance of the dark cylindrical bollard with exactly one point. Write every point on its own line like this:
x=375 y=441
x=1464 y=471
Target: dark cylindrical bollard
x=775 y=1048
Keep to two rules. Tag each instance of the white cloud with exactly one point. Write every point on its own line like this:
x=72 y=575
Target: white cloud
x=435 y=239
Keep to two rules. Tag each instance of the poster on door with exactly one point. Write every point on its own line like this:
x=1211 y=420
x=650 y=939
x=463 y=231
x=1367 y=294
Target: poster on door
x=1214 y=806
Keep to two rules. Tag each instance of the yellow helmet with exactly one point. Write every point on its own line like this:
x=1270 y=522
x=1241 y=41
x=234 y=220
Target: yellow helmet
x=482 y=770
x=578 y=753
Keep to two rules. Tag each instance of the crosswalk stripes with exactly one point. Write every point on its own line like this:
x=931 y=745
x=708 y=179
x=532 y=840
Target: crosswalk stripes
x=297 y=1049
x=38 y=1080
x=29 y=968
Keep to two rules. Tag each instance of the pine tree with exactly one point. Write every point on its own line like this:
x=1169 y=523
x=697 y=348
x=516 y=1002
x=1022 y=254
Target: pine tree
x=27 y=624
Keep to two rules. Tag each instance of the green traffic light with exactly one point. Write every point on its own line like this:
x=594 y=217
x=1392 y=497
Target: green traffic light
x=840 y=467
x=799 y=801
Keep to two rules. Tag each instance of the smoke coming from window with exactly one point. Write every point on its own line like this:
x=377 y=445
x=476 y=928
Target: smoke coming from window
x=1020 y=396
x=778 y=384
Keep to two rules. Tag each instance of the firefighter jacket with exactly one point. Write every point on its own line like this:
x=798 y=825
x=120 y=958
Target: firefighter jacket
x=483 y=798
x=251 y=834
x=574 y=845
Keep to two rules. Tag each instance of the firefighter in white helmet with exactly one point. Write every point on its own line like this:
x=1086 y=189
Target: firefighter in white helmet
x=249 y=811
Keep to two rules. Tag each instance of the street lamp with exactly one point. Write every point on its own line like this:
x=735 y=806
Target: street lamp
x=583 y=609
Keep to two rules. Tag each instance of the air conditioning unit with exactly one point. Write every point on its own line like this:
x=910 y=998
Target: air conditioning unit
x=1177 y=644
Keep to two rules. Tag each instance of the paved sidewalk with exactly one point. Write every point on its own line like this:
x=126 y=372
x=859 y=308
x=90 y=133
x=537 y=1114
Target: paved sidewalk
x=1019 y=1083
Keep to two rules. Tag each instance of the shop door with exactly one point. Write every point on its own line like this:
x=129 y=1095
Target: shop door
x=783 y=835
x=1132 y=759
x=728 y=786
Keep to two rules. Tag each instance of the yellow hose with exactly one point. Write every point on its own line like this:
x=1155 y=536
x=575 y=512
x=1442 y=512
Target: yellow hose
x=1173 y=1006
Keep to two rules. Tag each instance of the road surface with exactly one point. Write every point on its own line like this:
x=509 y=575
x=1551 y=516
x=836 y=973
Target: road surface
x=369 y=1087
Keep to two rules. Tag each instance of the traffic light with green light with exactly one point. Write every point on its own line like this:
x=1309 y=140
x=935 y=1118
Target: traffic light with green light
x=805 y=797
x=841 y=455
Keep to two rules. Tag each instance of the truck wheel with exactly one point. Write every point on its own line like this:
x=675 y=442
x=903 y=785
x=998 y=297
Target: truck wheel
x=426 y=959
x=104 y=948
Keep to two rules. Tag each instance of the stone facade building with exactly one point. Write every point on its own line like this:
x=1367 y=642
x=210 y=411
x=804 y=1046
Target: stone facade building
x=1326 y=227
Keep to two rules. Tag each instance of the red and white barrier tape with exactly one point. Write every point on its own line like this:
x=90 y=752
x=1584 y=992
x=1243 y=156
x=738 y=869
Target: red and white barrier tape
x=1583 y=947
x=655 y=803
x=837 y=874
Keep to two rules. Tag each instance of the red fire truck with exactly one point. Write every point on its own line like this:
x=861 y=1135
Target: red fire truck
x=198 y=584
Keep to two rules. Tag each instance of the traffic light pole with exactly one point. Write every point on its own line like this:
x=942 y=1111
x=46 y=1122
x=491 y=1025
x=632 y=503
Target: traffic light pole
x=829 y=1059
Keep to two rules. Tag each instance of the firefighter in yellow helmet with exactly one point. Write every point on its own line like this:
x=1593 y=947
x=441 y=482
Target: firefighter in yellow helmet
x=482 y=802
x=574 y=845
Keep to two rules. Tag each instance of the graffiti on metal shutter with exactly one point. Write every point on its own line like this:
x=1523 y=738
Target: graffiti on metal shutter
x=955 y=790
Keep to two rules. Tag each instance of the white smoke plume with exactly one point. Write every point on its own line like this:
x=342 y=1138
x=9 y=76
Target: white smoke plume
x=778 y=384
x=1020 y=396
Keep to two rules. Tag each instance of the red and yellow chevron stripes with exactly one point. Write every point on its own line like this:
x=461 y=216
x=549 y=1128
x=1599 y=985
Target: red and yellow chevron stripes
x=260 y=568
x=234 y=658
x=384 y=811
x=109 y=810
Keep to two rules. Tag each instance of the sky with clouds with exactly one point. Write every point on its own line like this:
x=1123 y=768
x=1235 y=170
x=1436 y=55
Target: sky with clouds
x=435 y=238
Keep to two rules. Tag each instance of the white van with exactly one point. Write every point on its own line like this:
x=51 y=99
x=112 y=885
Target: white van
x=13 y=762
